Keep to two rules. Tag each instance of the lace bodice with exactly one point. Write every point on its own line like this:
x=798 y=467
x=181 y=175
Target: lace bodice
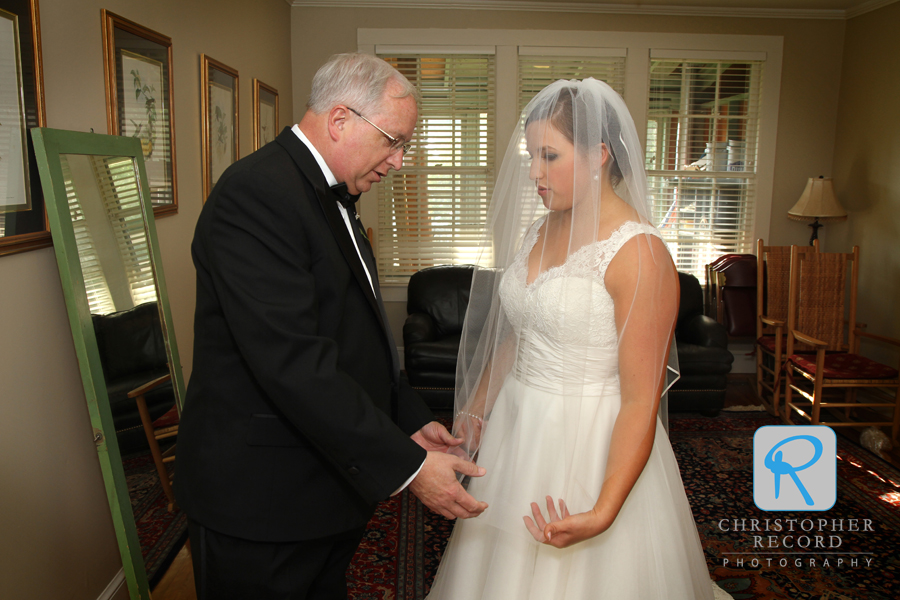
x=567 y=304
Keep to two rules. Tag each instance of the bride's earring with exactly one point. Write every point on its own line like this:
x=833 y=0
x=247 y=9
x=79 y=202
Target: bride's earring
x=596 y=177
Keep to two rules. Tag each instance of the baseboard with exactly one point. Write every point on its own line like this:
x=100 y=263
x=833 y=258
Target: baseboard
x=114 y=591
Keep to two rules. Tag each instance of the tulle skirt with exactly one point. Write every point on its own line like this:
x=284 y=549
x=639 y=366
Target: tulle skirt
x=537 y=444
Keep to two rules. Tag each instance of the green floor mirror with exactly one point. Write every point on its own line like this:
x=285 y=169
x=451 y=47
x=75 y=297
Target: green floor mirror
x=104 y=235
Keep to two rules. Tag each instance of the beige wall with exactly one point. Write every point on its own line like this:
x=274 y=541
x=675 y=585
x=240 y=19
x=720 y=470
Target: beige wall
x=56 y=537
x=809 y=86
x=867 y=167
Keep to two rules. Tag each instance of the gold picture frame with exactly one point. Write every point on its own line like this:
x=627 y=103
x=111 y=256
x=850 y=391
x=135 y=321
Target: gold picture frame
x=265 y=114
x=23 y=218
x=137 y=63
x=218 y=118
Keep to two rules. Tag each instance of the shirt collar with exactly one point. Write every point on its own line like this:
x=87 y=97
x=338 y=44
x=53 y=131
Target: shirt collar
x=329 y=176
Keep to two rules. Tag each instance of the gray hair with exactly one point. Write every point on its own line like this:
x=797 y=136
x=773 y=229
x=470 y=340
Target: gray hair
x=357 y=80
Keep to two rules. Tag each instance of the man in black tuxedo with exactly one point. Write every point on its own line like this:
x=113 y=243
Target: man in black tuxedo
x=297 y=421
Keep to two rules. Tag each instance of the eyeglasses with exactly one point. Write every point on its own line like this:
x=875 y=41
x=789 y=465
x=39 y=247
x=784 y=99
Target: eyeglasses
x=396 y=144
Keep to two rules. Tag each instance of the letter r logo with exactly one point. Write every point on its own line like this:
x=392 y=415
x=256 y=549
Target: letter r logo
x=794 y=467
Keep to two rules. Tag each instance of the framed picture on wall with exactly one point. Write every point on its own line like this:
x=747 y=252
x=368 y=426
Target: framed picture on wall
x=139 y=99
x=23 y=220
x=265 y=114
x=219 y=119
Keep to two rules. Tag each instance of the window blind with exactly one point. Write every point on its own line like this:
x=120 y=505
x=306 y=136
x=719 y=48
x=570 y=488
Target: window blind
x=433 y=211
x=701 y=156
x=99 y=299
x=118 y=183
x=115 y=178
x=537 y=71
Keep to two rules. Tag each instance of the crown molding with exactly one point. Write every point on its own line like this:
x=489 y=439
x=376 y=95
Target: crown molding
x=867 y=7
x=601 y=8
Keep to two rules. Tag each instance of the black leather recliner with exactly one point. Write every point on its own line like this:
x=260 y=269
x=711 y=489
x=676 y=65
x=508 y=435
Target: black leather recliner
x=436 y=304
x=703 y=355
x=133 y=352
x=437 y=299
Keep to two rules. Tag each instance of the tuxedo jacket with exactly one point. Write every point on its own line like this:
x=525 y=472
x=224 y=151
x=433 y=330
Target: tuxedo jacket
x=293 y=426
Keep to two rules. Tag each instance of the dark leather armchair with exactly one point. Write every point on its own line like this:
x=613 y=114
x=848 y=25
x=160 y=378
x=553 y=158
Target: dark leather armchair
x=437 y=299
x=133 y=353
x=703 y=355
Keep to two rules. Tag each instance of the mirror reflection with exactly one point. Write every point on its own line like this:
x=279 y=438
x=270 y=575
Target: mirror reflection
x=105 y=207
x=116 y=260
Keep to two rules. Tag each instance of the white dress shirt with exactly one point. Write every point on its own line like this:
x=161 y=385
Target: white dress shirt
x=329 y=177
x=332 y=181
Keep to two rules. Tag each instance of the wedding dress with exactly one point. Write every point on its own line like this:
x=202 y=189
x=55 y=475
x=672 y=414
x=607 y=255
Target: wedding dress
x=652 y=550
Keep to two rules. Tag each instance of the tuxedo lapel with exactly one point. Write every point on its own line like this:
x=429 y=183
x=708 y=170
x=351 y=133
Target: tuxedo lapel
x=307 y=164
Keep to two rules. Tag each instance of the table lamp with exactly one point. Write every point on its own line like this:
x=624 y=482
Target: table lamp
x=817 y=202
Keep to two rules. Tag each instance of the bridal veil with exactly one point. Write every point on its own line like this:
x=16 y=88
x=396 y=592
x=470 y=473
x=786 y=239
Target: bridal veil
x=496 y=345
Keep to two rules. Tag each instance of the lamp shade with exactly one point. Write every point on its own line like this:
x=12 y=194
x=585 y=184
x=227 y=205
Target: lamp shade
x=818 y=202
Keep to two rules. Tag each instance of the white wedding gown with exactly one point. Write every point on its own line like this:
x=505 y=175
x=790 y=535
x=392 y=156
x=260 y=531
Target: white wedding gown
x=540 y=442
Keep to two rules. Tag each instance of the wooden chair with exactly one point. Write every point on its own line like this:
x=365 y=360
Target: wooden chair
x=709 y=290
x=162 y=428
x=820 y=362
x=736 y=297
x=714 y=282
x=773 y=265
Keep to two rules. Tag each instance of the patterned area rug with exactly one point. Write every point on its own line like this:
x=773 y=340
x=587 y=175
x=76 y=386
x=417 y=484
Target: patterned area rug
x=715 y=456
x=404 y=541
x=399 y=554
x=162 y=534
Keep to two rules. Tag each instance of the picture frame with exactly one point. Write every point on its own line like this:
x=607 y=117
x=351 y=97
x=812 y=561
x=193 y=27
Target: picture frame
x=265 y=114
x=219 y=119
x=23 y=217
x=140 y=97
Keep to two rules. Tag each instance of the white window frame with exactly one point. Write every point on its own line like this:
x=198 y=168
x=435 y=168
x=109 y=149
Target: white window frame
x=638 y=46
x=448 y=178
x=696 y=240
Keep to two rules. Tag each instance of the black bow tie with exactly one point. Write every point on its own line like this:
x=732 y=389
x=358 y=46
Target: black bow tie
x=344 y=196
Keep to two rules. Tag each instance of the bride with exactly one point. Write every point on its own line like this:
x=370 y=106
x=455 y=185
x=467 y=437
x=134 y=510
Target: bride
x=562 y=365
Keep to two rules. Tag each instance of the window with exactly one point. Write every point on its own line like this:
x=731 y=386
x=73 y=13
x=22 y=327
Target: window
x=98 y=296
x=539 y=67
x=433 y=211
x=122 y=200
x=698 y=99
x=105 y=207
x=701 y=156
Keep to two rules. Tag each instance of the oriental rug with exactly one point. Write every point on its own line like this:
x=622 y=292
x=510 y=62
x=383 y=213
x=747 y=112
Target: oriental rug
x=161 y=533
x=399 y=555
x=860 y=533
x=404 y=541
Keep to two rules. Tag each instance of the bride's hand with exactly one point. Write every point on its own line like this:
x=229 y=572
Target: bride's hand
x=468 y=431
x=564 y=529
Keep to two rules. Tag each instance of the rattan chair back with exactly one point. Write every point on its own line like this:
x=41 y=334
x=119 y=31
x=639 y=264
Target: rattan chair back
x=820 y=305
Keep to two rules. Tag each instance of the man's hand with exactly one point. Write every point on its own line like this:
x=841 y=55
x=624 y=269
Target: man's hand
x=438 y=489
x=434 y=437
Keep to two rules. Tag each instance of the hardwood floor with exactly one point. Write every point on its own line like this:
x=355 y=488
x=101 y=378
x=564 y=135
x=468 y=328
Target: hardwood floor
x=178 y=582
x=741 y=390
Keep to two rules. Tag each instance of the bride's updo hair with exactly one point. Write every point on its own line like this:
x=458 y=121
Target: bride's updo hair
x=559 y=111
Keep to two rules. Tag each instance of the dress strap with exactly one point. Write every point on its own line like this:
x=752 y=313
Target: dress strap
x=627 y=230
